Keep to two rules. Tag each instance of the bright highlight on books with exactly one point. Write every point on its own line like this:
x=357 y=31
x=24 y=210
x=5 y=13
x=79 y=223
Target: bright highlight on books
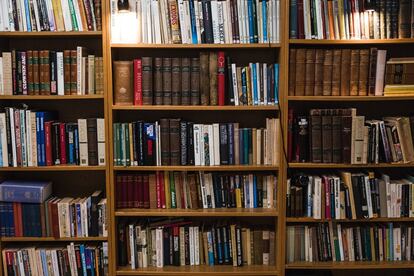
x=124 y=26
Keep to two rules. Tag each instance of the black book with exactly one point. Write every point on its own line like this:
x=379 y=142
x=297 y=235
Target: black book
x=190 y=143
x=149 y=144
x=301 y=133
x=166 y=244
x=259 y=191
x=122 y=245
x=216 y=188
x=93 y=215
x=8 y=136
x=53 y=72
x=19 y=74
x=187 y=245
x=220 y=245
x=255 y=28
x=229 y=81
x=357 y=196
x=176 y=246
x=230 y=136
x=226 y=244
x=139 y=129
x=183 y=143
x=364 y=195
x=223 y=192
x=56 y=144
x=207 y=22
x=224 y=152
x=214 y=242
x=135 y=144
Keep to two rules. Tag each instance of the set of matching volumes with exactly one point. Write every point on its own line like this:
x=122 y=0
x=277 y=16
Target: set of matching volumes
x=180 y=243
x=74 y=259
x=27 y=209
x=399 y=77
x=351 y=19
x=350 y=196
x=337 y=72
x=342 y=136
x=341 y=242
x=50 y=15
x=198 y=21
x=31 y=138
x=178 y=142
x=210 y=79
x=182 y=190
x=45 y=72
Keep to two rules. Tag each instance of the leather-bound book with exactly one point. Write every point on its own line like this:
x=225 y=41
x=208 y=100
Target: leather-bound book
x=29 y=56
x=315 y=135
x=221 y=78
x=165 y=142
x=336 y=72
x=204 y=78
x=258 y=247
x=195 y=81
x=123 y=83
x=326 y=136
x=346 y=125
x=176 y=81
x=158 y=81
x=300 y=72
x=46 y=76
x=292 y=69
x=404 y=19
x=301 y=138
x=363 y=72
x=185 y=81
x=373 y=52
x=91 y=124
x=183 y=143
x=66 y=71
x=310 y=72
x=175 y=142
x=319 y=62
x=213 y=78
x=327 y=73
x=345 y=71
x=147 y=88
x=336 y=137
x=353 y=88
x=73 y=72
x=394 y=18
x=166 y=79
x=36 y=75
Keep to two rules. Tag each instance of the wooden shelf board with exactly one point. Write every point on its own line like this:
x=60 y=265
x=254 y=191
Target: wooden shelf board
x=350 y=265
x=218 y=212
x=43 y=97
x=54 y=168
x=337 y=165
x=196 y=107
x=201 y=270
x=52 y=239
x=197 y=46
x=350 y=98
x=198 y=168
x=49 y=34
x=312 y=220
x=350 y=41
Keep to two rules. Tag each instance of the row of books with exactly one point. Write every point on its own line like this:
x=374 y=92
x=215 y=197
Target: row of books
x=68 y=72
x=341 y=242
x=74 y=259
x=337 y=72
x=399 y=77
x=180 y=243
x=351 y=19
x=48 y=15
x=342 y=136
x=182 y=190
x=349 y=196
x=197 y=21
x=32 y=138
x=178 y=142
x=211 y=79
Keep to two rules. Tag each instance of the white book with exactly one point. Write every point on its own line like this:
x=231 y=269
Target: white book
x=61 y=73
x=337 y=192
x=3 y=140
x=234 y=81
x=10 y=15
x=200 y=17
x=187 y=18
x=83 y=142
x=51 y=15
x=197 y=20
x=270 y=15
x=306 y=21
x=2 y=9
x=317 y=198
x=259 y=19
x=191 y=239
x=221 y=15
x=226 y=22
x=211 y=145
x=245 y=20
x=357 y=22
x=156 y=23
x=78 y=15
x=197 y=145
x=276 y=20
x=79 y=54
x=100 y=123
x=369 y=198
x=210 y=183
x=216 y=143
x=144 y=19
x=196 y=245
x=341 y=246
x=380 y=72
x=215 y=21
x=164 y=22
x=203 y=189
x=91 y=74
x=55 y=263
x=138 y=20
x=319 y=17
x=265 y=88
x=132 y=248
x=28 y=138
x=21 y=7
x=65 y=12
x=34 y=137
x=144 y=244
x=149 y=21
x=251 y=194
x=240 y=22
x=259 y=90
x=1 y=77
x=183 y=27
x=13 y=137
x=5 y=16
x=159 y=247
x=397 y=243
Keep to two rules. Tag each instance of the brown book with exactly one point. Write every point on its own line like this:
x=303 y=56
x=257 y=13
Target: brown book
x=98 y=13
x=272 y=248
x=336 y=138
x=372 y=72
x=176 y=81
x=29 y=56
x=327 y=73
x=147 y=88
x=316 y=135
x=258 y=247
x=336 y=72
x=266 y=246
x=166 y=78
x=36 y=73
x=326 y=123
x=300 y=72
x=354 y=75
x=292 y=69
x=158 y=82
x=152 y=192
x=175 y=142
x=404 y=19
x=310 y=72
x=73 y=72
x=346 y=125
x=363 y=72
x=123 y=83
x=204 y=78
x=195 y=81
x=319 y=68
x=213 y=78
x=185 y=81
x=345 y=71
x=92 y=134
x=46 y=72
x=66 y=71
x=165 y=142
x=193 y=191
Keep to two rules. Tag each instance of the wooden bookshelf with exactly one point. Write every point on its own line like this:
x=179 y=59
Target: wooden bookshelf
x=35 y=35
x=371 y=220
x=350 y=98
x=350 y=41
x=198 y=168
x=51 y=97
x=197 y=108
x=53 y=168
x=52 y=239
x=348 y=166
x=217 y=212
x=198 y=46
x=350 y=265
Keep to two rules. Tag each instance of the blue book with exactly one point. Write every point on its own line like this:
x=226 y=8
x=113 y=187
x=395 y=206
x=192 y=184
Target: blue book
x=78 y=218
x=25 y=191
x=243 y=100
x=193 y=23
x=210 y=248
x=293 y=19
x=230 y=133
x=254 y=191
x=88 y=258
x=241 y=148
x=264 y=21
x=71 y=145
x=28 y=22
x=76 y=143
x=226 y=246
x=251 y=23
x=309 y=200
x=1 y=151
x=219 y=246
x=246 y=146
x=2 y=220
x=276 y=86
x=38 y=140
x=83 y=259
x=254 y=80
x=44 y=116
x=44 y=262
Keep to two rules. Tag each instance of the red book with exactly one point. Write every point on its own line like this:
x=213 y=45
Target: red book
x=130 y=191
x=48 y=143
x=18 y=137
x=162 y=190
x=119 y=189
x=55 y=219
x=62 y=133
x=323 y=20
x=138 y=193
x=221 y=80
x=16 y=220
x=137 y=82
x=326 y=184
x=158 y=188
x=124 y=197
x=145 y=191
x=301 y=32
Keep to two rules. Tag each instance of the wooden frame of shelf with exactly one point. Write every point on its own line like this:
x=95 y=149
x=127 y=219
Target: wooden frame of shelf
x=218 y=212
x=198 y=46
x=49 y=34
x=198 y=168
x=351 y=265
x=52 y=239
x=53 y=168
x=371 y=220
x=350 y=41
x=349 y=98
x=51 y=97
x=348 y=166
x=197 y=107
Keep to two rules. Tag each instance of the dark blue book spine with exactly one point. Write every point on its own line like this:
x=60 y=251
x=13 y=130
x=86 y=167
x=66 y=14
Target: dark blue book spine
x=83 y=259
x=276 y=81
x=193 y=23
x=226 y=248
x=2 y=220
x=190 y=143
x=264 y=21
x=251 y=23
x=255 y=27
x=246 y=146
x=140 y=136
x=207 y=21
x=230 y=135
x=10 y=220
x=220 y=259
x=255 y=198
x=216 y=188
x=229 y=81
x=17 y=193
x=76 y=143
x=243 y=99
x=293 y=19
x=38 y=140
x=224 y=157
x=241 y=147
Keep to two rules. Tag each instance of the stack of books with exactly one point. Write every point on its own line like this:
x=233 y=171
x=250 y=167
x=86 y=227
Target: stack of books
x=399 y=77
x=181 y=190
x=178 y=142
x=178 y=243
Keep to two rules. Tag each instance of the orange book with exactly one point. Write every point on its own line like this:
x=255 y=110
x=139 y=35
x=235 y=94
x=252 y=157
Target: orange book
x=331 y=20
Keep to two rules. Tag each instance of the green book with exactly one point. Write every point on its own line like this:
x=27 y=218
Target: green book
x=127 y=151
x=172 y=192
x=73 y=15
x=123 y=145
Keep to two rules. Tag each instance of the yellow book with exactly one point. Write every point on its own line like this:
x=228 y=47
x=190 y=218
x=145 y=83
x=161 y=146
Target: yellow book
x=57 y=10
x=237 y=191
x=394 y=88
x=341 y=17
x=167 y=190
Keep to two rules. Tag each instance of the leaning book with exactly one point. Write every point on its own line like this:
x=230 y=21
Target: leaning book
x=25 y=191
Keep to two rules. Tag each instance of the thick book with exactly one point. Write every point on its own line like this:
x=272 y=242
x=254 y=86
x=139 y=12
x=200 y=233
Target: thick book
x=204 y=78
x=123 y=83
x=175 y=81
x=25 y=191
x=166 y=80
x=147 y=87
